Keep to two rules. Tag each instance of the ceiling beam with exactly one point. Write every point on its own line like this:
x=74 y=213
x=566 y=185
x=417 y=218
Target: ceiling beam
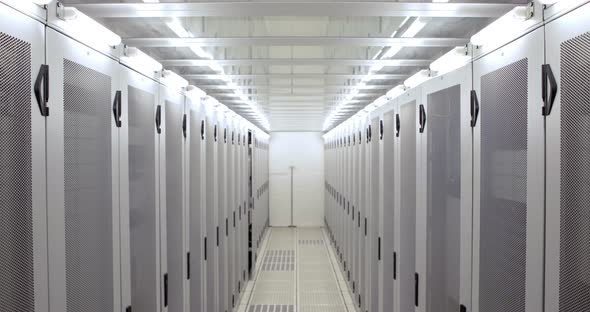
x=295 y=41
x=295 y=8
x=294 y=76
x=296 y=87
x=295 y=62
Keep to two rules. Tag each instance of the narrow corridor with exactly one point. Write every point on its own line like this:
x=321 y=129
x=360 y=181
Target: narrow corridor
x=297 y=273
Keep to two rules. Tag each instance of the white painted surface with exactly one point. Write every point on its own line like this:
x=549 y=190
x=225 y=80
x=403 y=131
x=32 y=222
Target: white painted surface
x=305 y=152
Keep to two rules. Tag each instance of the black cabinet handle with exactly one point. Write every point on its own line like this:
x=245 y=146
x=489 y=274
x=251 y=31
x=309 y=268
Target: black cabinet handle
x=234 y=218
x=365 y=226
x=188 y=265
x=549 y=84
x=184 y=125
x=159 y=119
x=380 y=129
x=202 y=130
x=128 y=309
x=462 y=308
x=166 y=290
x=217 y=235
x=359 y=218
x=416 y=288
x=215 y=133
x=394 y=265
x=422 y=118
x=474 y=108
x=226 y=227
x=205 y=248
x=117 y=108
x=41 y=89
x=398 y=125
x=224 y=135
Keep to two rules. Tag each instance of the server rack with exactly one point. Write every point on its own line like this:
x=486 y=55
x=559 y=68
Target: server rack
x=23 y=211
x=508 y=178
x=139 y=153
x=222 y=209
x=386 y=200
x=196 y=154
x=172 y=172
x=407 y=105
x=354 y=210
x=444 y=212
x=230 y=214
x=212 y=237
x=565 y=85
x=373 y=212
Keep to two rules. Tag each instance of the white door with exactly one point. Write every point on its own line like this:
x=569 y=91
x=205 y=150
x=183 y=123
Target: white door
x=303 y=154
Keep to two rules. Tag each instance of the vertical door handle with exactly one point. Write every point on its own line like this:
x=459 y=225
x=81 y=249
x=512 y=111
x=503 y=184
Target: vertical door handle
x=422 y=118
x=462 y=308
x=215 y=133
x=205 y=248
x=379 y=249
x=416 y=288
x=549 y=84
x=166 y=290
x=202 y=130
x=188 y=265
x=184 y=125
x=117 y=108
x=380 y=129
x=474 y=108
x=398 y=125
x=159 y=119
x=41 y=89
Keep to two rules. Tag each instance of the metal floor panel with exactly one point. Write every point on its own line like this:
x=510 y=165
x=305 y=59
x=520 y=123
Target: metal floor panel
x=312 y=285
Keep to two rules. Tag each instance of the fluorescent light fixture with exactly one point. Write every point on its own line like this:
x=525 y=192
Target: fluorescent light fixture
x=195 y=92
x=391 y=52
x=151 y=1
x=510 y=23
x=416 y=27
x=440 y=1
x=84 y=26
x=395 y=91
x=173 y=79
x=138 y=58
x=418 y=78
x=176 y=26
x=452 y=60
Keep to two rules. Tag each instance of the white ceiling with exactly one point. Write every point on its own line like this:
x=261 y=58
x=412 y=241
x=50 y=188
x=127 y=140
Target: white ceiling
x=303 y=65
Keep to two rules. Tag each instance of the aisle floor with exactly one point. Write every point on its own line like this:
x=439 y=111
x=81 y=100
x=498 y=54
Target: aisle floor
x=297 y=272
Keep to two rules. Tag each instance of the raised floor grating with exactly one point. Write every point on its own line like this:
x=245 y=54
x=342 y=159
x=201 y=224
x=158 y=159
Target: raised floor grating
x=271 y=308
x=279 y=260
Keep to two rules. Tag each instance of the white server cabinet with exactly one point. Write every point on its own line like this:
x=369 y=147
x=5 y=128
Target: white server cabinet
x=212 y=228
x=368 y=255
x=139 y=153
x=362 y=214
x=174 y=131
x=566 y=77
x=222 y=209
x=23 y=210
x=350 y=203
x=444 y=212
x=354 y=208
x=508 y=175
x=244 y=207
x=196 y=162
x=406 y=280
x=231 y=178
x=386 y=199
x=83 y=189
x=374 y=217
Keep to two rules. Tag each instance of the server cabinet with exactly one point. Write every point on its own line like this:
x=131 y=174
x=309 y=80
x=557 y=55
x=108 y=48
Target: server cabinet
x=196 y=163
x=406 y=280
x=212 y=237
x=508 y=178
x=566 y=80
x=23 y=211
x=83 y=189
x=386 y=198
x=139 y=154
x=444 y=212
x=355 y=206
x=172 y=172
x=373 y=212
x=222 y=209
x=368 y=255
x=362 y=214
x=231 y=246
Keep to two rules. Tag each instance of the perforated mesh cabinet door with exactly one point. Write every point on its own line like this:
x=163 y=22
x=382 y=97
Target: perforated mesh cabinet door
x=503 y=212
x=142 y=202
x=17 y=276
x=406 y=256
x=387 y=218
x=443 y=200
x=88 y=189
x=574 y=250
x=375 y=216
x=174 y=213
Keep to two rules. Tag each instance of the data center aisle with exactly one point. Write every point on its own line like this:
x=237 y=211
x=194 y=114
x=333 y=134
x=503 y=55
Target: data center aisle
x=298 y=273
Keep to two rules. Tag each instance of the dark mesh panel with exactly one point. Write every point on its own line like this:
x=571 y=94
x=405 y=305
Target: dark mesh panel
x=443 y=200
x=574 y=277
x=16 y=206
x=142 y=201
x=406 y=262
x=88 y=187
x=502 y=248
x=174 y=217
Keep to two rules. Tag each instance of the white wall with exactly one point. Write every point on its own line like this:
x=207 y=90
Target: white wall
x=304 y=151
